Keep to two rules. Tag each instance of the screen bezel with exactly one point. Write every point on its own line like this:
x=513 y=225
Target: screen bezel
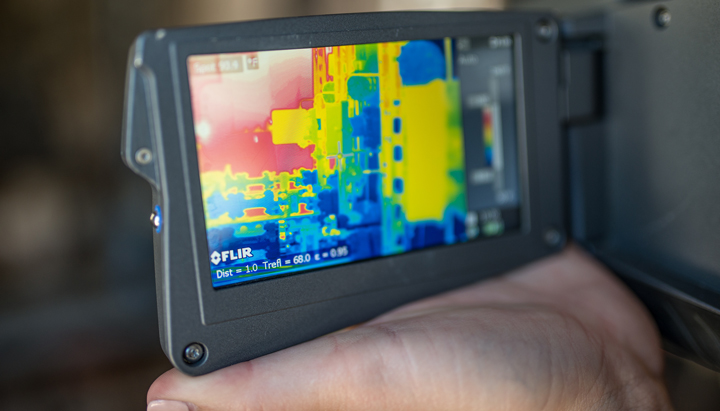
x=222 y=304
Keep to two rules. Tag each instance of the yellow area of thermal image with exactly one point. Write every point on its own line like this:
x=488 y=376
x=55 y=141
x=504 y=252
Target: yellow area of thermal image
x=426 y=180
x=294 y=126
x=432 y=140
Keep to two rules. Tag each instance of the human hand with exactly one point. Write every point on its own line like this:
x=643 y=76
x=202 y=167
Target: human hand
x=560 y=334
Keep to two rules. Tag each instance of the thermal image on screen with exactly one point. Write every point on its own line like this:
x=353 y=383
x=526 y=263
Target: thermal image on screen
x=316 y=157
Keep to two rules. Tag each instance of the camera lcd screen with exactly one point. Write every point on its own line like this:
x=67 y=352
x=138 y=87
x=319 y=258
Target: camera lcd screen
x=316 y=157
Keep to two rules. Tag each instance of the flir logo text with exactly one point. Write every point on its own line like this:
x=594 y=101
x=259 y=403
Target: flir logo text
x=242 y=253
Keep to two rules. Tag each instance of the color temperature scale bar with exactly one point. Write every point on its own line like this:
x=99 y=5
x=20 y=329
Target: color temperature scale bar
x=492 y=114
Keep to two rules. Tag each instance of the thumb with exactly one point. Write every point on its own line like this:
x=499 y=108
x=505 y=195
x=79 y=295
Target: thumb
x=328 y=373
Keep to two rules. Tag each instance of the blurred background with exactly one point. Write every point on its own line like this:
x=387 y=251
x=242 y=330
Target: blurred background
x=78 y=324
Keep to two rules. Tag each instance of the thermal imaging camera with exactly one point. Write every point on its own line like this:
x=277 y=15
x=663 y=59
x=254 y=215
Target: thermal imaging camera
x=311 y=173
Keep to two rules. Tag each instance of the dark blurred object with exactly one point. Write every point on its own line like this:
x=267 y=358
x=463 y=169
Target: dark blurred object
x=116 y=388
x=643 y=163
x=691 y=386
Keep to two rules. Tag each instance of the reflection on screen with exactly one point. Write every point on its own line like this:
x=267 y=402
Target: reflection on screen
x=316 y=157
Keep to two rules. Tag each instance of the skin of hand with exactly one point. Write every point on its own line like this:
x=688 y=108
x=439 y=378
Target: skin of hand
x=559 y=334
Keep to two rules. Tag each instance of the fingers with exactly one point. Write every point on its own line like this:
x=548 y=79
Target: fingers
x=575 y=283
x=570 y=282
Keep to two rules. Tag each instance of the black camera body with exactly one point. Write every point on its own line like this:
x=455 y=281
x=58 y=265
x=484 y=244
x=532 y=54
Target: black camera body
x=311 y=173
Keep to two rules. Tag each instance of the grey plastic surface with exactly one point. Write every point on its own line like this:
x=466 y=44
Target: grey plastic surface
x=246 y=321
x=646 y=174
x=663 y=143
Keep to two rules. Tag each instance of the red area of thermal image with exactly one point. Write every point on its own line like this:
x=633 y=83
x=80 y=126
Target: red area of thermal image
x=234 y=132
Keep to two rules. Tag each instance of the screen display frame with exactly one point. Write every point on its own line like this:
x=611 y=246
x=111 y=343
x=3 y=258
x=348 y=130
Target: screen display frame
x=274 y=294
x=512 y=50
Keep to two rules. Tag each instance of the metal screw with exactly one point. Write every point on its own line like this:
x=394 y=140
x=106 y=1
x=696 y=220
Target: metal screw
x=546 y=30
x=662 y=17
x=143 y=156
x=160 y=34
x=193 y=353
x=137 y=62
x=552 y=237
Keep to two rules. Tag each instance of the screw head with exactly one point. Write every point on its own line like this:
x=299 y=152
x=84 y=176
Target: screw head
x=546 y=30
x=143 y=156
x=552 y=237
x=662 y=17
x=193 y=353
